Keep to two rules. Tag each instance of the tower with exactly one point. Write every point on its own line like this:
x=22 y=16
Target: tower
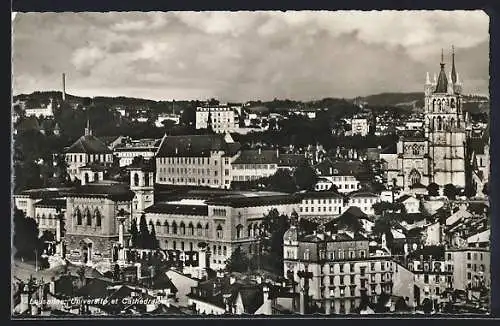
x=142 y=184
x=445 y=127
x=88 y=131
x=64 y=87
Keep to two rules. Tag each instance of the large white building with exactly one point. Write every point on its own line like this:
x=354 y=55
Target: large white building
x=144 y=147
x=196 y=160
x=359 y=126
x=87 y=149
x=46 y=111
x=221 y=119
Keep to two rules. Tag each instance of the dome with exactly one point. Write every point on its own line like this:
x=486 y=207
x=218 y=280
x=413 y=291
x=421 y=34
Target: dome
x=291 y=234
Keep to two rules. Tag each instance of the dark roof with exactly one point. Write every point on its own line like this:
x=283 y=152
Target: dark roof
x=94 y=288
x=107 y=189
x=44 y=192
x=52 y=202
x=355 y=211
x=320 y=194
x=178 y=209
x=442 y=82
x=245 y=201
x=362 y=194
x=252 y=298
x=194 y=146
x=391 y=149
x=143 y=165
x=95 y=166
x=340 y=167
x=162 y=281
x=293 y=160
x=437 y=252
x=417 y=186
x=255 y=156
x=88 y=144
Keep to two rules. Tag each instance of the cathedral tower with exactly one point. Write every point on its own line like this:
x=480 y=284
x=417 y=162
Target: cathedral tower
x=445 y=127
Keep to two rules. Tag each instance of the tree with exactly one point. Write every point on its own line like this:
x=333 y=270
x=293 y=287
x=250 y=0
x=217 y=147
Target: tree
x=383 y=207
x=305 y=177
x=134 y=234
x=450 y=191
x=188 y=117
x=274 y=226
x=282 y=180
x=144 y=236
x=154 y=243
x=238 y=262
x=433 y=189
x=26 y=241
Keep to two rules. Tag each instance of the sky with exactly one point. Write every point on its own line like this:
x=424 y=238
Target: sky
x=240 y=56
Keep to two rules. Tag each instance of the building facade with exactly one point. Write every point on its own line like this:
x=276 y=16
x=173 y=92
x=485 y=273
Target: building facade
x=196 y=160
x=221 y=119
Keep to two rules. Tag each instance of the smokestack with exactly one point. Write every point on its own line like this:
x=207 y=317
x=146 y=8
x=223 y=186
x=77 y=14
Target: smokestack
x=64 y=87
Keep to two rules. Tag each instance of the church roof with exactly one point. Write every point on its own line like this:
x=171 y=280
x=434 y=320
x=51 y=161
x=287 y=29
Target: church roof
x=88 y=144
x=442 y=82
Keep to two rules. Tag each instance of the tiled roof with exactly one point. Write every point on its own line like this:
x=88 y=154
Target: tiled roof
x=437 y=252
x=254 y=156
x=363 y=194
x=320 y=194
x=342 y=168
x=293 y=160
x=246 y=201
x=88 y=144
x=194 y=146
x=49 y=202
x=95 y=166
x=108 y=189
x=177 y=209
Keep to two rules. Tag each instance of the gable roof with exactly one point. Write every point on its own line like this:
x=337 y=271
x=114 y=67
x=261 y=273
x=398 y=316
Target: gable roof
x=195 y=146
x=88 y=144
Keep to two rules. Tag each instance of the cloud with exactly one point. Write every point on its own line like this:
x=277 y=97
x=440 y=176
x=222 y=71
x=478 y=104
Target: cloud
x=245 y=55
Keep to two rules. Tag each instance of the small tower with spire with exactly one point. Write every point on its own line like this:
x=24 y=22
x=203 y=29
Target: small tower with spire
x=442 y=81
x=457 y=84
x=88 y=131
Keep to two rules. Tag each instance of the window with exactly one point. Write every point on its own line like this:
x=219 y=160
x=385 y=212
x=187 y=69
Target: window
x=220 y=233
x=362 y=253
x=183 y=228
x=341 y=279
x=97 y=218
x=362 y=271
x=89 y=218
x=352 y=279
x=174 y=227
x=239 y=231
x=372 y=266
x=78 y=217
x=437 y=291
x=306 y=254
x=449 y=256
x=426 y=278
x=351 y=268
x=341 y=268
x=468 y=255
x=469 y=276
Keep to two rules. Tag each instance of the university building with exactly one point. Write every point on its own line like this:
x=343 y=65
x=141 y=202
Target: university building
x=221 y=119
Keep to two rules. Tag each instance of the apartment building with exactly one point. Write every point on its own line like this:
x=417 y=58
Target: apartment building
x=363 y=200
x=359 y=126
x=254 y=164
x=470 y=267
x=143 y=147
x=325 y=203
x=196 y=160
x=221 y=119
x=343 y=266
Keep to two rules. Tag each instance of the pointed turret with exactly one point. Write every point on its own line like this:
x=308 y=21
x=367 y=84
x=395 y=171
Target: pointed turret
x=454 y=77
x=427 y=79
x=442 y=82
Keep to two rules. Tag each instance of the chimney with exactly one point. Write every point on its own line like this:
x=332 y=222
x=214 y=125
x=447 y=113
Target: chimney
x=64 y=87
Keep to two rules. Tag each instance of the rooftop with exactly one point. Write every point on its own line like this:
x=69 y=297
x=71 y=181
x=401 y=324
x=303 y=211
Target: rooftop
x=195 y=146
x=88 y=144
x=109 y=189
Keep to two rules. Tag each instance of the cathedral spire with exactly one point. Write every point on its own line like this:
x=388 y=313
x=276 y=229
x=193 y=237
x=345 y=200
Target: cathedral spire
x=453 y=70
x=442 y=82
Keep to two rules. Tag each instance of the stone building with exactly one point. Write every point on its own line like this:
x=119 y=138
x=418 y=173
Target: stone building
x=438 y=154
x=93 y=216
x=224 y=221
x=87 y=149
x=221 y=119
x=196 y=160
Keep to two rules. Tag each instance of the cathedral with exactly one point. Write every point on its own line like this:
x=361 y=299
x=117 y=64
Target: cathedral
x=436 y=154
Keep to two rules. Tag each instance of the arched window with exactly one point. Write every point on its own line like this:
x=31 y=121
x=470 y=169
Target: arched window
x=250 y=230
x=190 y=229
x=183 y=228
x=199 y=230
x=136 y=179
x=452 y=123
x=433 y=105
x=174 y=227
x=414 y=177
x=415 y=149
x=452 y=103
x=158 y=223
x=98 y=217
x=89 y=217
x=220 y=233
x=439 y=123
x=255 y=230
x=207 y=227
x=78 y=215
x=146 y=180
x=433 y=124
x=86 y=177
x=96 y=176
x=239 y=231
x=166 y=227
